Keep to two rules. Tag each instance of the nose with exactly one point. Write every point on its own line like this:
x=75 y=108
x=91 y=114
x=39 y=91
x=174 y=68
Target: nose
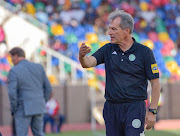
x=109 y=32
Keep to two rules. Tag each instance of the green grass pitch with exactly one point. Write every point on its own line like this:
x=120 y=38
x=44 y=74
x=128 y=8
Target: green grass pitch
x=102 y=133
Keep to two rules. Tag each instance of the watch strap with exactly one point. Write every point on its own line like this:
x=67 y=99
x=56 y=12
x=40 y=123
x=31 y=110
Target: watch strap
x=154 y=111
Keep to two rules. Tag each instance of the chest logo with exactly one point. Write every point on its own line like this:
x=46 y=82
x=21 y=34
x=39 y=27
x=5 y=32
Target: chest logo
x=114 y=52
x=132 y=57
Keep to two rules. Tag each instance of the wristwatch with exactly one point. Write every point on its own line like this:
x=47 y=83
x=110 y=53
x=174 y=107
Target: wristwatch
x=154 y=111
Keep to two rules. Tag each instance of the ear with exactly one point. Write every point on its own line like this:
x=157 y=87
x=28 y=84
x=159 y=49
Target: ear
x=16 y=55
x=127 y=30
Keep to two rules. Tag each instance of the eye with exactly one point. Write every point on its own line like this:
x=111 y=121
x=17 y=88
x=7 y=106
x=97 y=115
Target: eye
x=113 y=28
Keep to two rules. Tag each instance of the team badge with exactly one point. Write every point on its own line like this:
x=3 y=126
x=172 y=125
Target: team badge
x=132 y=57
x=154 y=68
x=136 y=123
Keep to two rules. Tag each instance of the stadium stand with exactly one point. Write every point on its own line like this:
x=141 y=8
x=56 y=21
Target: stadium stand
x=71 y=22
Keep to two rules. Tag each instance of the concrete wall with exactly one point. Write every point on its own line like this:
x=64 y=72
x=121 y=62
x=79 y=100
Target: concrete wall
x=163 y=111
x=74 y=103
x=5 y=114
x=171 y=108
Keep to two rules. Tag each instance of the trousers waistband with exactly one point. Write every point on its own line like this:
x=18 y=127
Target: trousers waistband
x=118 y=102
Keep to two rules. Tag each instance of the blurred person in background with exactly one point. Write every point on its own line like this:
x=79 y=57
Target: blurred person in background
x=3 y=46
x=2 y=34
x=53 y=115
x=129 y=65
x=178 y=44
x=29 y=90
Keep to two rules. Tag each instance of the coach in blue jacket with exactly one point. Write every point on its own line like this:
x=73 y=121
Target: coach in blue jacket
x=29 y=90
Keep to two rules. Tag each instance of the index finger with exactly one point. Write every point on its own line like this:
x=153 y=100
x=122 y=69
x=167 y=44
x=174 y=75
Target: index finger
x=83 y=44
x=145 y=126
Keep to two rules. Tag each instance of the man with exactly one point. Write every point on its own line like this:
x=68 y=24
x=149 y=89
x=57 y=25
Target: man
x=53 y=115
x=29 y=90
x=129 y=65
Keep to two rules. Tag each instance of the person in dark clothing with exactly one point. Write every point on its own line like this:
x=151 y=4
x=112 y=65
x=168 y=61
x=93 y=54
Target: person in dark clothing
x=128 y=65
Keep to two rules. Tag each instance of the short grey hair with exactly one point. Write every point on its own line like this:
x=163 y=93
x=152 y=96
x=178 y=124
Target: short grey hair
x=126 y=19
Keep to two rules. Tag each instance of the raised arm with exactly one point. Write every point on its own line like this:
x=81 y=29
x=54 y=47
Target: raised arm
x=86 y=61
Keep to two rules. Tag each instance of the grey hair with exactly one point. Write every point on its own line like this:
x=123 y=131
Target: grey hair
x=126 y=19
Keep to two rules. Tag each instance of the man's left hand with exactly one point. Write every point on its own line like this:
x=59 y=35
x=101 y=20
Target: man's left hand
x=150 y=120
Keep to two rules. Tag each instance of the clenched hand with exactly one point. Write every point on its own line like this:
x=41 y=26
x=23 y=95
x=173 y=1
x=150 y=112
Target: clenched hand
x=84 y=49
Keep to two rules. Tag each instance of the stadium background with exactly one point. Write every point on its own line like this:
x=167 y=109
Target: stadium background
x=51 y=31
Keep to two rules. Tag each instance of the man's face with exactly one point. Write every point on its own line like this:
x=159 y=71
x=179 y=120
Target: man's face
x=116 y=33
x=14 y=59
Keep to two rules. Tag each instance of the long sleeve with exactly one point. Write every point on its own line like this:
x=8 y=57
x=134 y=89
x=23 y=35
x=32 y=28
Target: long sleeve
x=47 y=87
x=12 y=90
